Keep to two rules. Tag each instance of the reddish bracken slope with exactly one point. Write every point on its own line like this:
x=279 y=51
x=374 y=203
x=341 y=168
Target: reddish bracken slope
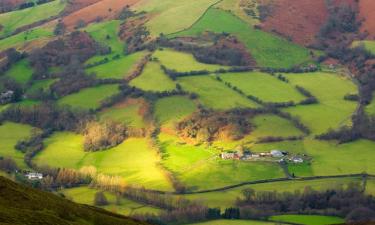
x=103 y=9
x=299 y=20
x=367 y=12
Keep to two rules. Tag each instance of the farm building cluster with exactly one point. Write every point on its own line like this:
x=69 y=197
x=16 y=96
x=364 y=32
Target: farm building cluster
x=247 y=155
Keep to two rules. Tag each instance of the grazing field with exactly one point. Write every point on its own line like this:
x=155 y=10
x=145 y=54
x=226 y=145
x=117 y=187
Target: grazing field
x=129 y=112
x=134 y=160
x=172 y=109
x=234 y=222
x=332 y=111
x=16 y=19
x=274 y=126
x=117 y=69
x=264 y=86
x=267 y=49
x=370 y=186
x=182 y=62
x=308 y=219
x=90 y=98
x=21 y=72
x=170 y=16
x=25 y=37
x=214 y=94
x=227 y=198
x=85 y=195
x=11 y=133
x=370 y=108
x=153 y=79
x=40 y=85
x=240 y=10
x=369 y=45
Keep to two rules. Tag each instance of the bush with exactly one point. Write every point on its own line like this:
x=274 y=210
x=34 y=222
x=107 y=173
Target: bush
x=100 y=199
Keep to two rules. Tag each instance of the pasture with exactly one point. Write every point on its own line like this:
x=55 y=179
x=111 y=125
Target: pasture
x=116 y=69
x=89 y=98
x=241 y=10
x=16 y=19
x=234 y=222
x=267 y=49
x=370 y=108
x=21 y=72
x=264 y=86
x=153 y=79
x=183 y=62
x=369 y=45
x=172 y=109
x=332 y=111
x=214 y=94
x=40 y=85
x=11 y=133
x=308 y=219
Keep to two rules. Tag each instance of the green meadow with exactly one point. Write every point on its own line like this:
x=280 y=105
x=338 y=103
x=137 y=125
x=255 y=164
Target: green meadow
x=308 y=219
x=264 y=86
x=89 y=98
x=134 y=160
x=153 y=79
x=267 y=49
x=40 y=85
x=21 y=72
x=128 y=114
x=234 y=222
x=273 y=126
x=369 y=45
x=11 y=133
x=172 y=109
x=370 y=108
x=16 y=19
x=332 y=111
x=214 y=94
x=116 y=69
x=182 y=62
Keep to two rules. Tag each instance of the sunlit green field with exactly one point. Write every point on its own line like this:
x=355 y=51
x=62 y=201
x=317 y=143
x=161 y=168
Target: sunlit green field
x=214 y=94
x=308 y=219
x=40 y=85
x=332 y=111
x=264 y=86
x=274 y=126
x=370 y=109
x=15 y=19
x=20 y=72
x=89 y=98
x=182 y=62
x=234 y=222
x=11 y=133
x=153 y=79
x=267 y=49
x=117 y=69
x=128 y=114
x=173 y=109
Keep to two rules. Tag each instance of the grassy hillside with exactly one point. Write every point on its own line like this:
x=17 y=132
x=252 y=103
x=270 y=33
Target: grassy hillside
x=21 y=205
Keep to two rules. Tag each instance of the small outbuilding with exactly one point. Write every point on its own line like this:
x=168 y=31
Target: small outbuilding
x=34 y=176
x=277 y=153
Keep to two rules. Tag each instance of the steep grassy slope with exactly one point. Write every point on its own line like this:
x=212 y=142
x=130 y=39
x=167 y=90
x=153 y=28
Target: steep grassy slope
x=21 y=205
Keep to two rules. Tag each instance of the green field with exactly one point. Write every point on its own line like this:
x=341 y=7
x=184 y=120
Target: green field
x=368 y=45
x=117 y=69
x=16 y=19
x=85 y=195
x=370 y=186
x=214 y=94
x=264 y=86
x=182 y=62
x=267 y=49
x=332 y=111
x=20 y=72
x=274 y=126
x=370 y=108
x=90 y=98
x=134 y=159
x=235 y=222
x=239 y=10
x=11 y=133
x=308 y=219
x=172 y=109
x=25 y=37
x=40 y=85
x=153 y=79
x=170 y=16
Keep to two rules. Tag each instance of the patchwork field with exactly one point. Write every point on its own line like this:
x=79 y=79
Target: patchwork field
x=21 y=72
x=16 y=19
x=267 y=49
x=234 y=222
x=247 y=11
x=214 y=94
x=11 y=133
x=308 y=219
x=153 y=79
x=264 y=86
x=40 y=85
x=89 y=98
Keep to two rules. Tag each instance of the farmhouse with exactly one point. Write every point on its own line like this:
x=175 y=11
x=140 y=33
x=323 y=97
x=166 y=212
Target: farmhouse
x=277 y=153
x=231 y=155
x=34 y=176
x=6 y=97
x=297 y=160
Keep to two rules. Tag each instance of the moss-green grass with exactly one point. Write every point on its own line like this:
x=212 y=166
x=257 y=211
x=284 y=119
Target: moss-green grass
x=370 y=186
x=264 y=86
x=308 y=219
x=3 y=107
x=234 y=222
x=117 y=69
x=21 y=72
x=368 y=44
x=24 y=37
x=134 y=159
x=267 y=49
x=182 y=62
x=370 y=108
x=89 y=98
x=172 y=109
x=153 y=79
x=15 y=19
x=170 y=16
x=128 y=114
x=10 y=134
x=235 y=7
x=274 y=126
x=40 y=85
x=214 y=94
x=332 y=111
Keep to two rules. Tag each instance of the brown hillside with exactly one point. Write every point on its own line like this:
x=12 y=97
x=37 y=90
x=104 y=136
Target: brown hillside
x=367 y=12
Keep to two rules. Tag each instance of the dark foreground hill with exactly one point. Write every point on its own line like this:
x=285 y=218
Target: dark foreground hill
x=27 y=206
